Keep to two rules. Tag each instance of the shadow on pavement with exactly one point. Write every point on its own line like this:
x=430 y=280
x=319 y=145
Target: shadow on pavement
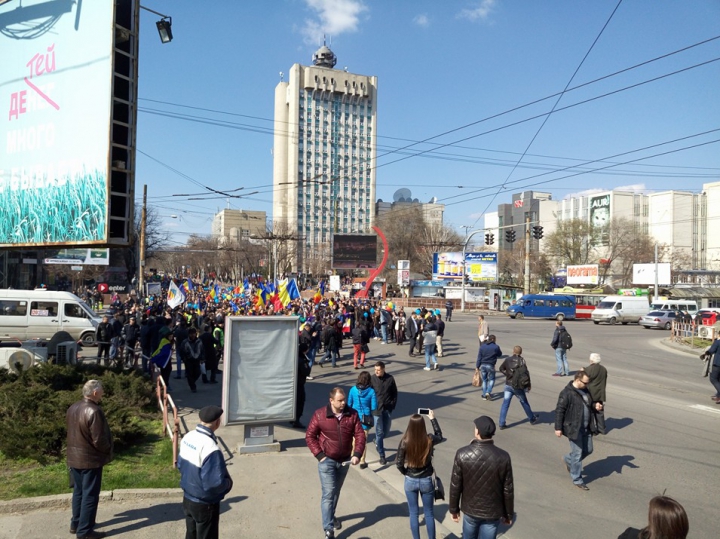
x=612 y=423
x=369 y=518
x=609 y=466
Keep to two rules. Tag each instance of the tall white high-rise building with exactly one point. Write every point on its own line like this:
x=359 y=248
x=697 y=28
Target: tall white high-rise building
x=323 y=155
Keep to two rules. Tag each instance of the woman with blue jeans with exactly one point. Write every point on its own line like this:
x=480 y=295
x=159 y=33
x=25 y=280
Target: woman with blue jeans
x=414 y=460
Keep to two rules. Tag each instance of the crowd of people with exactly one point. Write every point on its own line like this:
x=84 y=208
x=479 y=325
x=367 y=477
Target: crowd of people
x=481 y=483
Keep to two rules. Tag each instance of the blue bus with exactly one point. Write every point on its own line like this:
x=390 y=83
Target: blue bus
x=559 y=307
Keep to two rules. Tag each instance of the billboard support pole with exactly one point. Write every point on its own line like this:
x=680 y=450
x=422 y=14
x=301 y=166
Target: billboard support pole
x=143 y=223
x=462 y=271
x=527 y=255
x=364 y=292
x=655 y=299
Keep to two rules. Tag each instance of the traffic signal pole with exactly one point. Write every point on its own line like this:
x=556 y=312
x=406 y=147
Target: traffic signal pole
x=526 y=287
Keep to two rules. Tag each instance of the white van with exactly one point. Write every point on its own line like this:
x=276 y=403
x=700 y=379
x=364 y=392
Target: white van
x=623 y=309
x=683 y=305
x=39 y=314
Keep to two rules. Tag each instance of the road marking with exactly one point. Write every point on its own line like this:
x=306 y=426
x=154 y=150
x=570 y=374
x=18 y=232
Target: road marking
x=705 y=408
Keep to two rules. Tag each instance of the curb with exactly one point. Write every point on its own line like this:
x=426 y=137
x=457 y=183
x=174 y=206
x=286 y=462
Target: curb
x=680 y=348
x=64 y=501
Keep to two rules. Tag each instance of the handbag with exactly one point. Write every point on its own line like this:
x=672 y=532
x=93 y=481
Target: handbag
x=438 y=487
x=365 y=348
x=368 y=421
x=476 y=378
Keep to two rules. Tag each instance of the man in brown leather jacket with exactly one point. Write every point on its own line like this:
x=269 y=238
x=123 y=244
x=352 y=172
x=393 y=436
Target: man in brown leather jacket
x=89 y=448
x=482 y=484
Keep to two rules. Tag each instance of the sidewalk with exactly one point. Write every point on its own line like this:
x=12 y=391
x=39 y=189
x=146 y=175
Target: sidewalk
x=275 y=495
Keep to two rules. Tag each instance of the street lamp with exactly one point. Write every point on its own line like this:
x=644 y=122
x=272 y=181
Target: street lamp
x=164 y=25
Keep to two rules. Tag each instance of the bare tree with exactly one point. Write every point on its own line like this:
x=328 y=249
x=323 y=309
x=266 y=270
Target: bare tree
x=626 y=244
x=436 y=238
x=404 y=230
x=572 y=242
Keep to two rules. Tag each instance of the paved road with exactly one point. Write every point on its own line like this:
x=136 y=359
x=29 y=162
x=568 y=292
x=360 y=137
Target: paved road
x=663 y=437
x=663 y=427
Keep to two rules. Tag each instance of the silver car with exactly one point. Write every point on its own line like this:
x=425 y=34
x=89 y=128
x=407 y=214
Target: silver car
x=658 y=319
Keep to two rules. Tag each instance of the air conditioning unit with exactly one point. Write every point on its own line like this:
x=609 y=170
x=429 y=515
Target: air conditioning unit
x=66 y=353
x=15 y=359
x=706 y=332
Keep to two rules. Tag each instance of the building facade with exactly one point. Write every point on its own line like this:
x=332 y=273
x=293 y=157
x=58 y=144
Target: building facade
x=540 y=208
x=236 y=225
x=432 y=212
x=324 y=154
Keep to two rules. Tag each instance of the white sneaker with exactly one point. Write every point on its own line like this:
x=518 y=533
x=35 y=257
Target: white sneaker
x=436 y=366
x=427 y=369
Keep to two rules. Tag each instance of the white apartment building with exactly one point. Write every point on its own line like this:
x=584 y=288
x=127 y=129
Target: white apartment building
x=324 y=153
x=402 y=198
x=239 y=224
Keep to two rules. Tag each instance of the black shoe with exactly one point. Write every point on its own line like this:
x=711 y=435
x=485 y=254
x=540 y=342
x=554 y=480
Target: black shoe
x=503 y=427
x=337 y=524
x=297 y=425
x=329 y=535
x=383 y=461
x=73 y=530
x=534 y=419
x=93 y=535
x=193 y=390
x=581 y=486
x=322 y=364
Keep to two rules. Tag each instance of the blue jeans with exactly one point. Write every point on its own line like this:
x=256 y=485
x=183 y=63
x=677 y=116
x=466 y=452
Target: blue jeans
x=424 y=487
x=311 y=354
x=179 y=365
x=332 y=476
x=331 y=353
x=476 y=528
x=114 y=345
x=580 y=448
x=561 y=358
x=507 y=397
x=383 y=332
x=85 y=499
x=383 y=422
x=430 y=354
x=487 y=372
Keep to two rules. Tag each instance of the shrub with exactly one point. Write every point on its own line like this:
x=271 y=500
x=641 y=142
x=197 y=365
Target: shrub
x=33 y=406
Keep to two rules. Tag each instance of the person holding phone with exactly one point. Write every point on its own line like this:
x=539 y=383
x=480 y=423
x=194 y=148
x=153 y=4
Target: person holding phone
x=414 y=460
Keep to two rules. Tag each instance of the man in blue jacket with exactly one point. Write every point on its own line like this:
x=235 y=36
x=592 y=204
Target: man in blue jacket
x=488 y=354
x=203 y=476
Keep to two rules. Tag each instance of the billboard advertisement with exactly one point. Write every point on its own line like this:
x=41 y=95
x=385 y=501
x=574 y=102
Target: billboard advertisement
x=55 y=92
x=81 y=257
x=582 y=274
x=354 y=251
x=645 y=274
x=479 y=267
x=600 y=216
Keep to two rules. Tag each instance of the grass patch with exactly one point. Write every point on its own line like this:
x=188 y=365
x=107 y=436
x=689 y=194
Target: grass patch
x=147 y=464
x=696 y=342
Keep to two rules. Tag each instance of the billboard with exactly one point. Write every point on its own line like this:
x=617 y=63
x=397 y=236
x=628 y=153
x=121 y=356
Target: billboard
x=479 y=267
x=645 y=274
x=600 y=216
x=78 y=257
x=55 y=91
x=354 y=251
x=582 y=274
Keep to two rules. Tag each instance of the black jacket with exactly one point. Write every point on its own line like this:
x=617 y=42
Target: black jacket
x=482 y=482
x=427 y=469
x=359 y=335
x=569 y=412
x=598 y=381
x=385 y=391
x=411 y=328
x=508 y=366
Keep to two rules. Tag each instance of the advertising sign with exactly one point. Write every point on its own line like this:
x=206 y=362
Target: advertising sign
x=55 y=92
x=645 y=274
x=403 y=277
x=334 y=283
x=582 y=274
x=478 y=266
x=600 y=216
x=86 y=257
x=354 y=251
x=403 y=265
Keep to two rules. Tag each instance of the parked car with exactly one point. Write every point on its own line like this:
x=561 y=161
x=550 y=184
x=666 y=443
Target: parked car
x=658 y=319
x=706 y=317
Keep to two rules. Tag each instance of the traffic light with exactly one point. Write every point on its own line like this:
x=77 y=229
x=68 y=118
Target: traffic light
x=489 y=239
x=537 y=232
x=510 y=236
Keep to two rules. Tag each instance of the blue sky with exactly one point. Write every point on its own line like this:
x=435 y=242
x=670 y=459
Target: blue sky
x=460 y=66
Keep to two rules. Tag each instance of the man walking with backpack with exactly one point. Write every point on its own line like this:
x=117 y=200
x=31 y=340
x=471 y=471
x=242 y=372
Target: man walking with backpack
x=517 y=383
x=561 y=342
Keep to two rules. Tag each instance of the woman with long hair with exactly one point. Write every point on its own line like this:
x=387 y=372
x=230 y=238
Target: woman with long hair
x=414 y=460
x=362 y=398
x=666 y=520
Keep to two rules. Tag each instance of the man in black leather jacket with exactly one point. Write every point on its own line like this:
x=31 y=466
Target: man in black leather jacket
x=482 y=484
x=574 y=419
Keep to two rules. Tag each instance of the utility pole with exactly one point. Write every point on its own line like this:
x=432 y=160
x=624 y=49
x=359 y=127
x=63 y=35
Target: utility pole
x=143 y=223
x=527 y=255
x=655 y=299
